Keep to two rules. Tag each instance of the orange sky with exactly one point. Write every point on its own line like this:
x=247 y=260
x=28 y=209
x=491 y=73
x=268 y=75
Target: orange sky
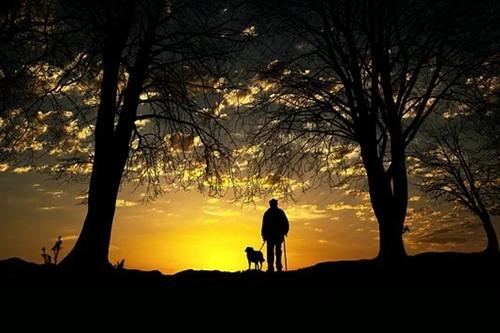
x=188 y=230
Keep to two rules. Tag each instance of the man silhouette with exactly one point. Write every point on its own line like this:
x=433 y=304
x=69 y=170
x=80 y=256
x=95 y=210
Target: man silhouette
x=274 y=229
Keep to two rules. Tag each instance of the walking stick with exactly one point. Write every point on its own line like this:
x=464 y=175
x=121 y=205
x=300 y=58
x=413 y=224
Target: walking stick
x=284 y=250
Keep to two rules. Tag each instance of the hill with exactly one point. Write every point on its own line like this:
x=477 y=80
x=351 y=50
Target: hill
x=439 y=270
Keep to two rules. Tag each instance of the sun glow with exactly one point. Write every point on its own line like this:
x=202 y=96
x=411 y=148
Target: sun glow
x=189 y=230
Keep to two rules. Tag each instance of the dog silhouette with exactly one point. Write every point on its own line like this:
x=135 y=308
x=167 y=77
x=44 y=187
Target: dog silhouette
x=255 y=257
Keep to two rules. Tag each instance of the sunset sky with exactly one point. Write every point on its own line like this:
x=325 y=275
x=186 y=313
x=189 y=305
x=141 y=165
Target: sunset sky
x=236 y=106
x=189 y=230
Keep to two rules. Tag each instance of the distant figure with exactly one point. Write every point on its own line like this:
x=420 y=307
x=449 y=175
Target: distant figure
x=47 y=260
x=274 y=229
x=56 y=249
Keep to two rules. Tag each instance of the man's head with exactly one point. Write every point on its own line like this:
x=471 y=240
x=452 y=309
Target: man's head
x=273 y=203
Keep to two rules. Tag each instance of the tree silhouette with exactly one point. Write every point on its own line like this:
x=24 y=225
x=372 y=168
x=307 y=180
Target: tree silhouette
x=358 y=79
x=158 y=62
x=20 y=21
x=126 y=91
x=457 y=164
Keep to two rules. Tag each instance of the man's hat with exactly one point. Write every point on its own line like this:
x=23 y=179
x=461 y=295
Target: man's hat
x=273 y=201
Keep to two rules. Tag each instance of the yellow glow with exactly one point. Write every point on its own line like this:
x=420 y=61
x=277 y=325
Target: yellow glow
x=187 y=230
x=191 y=231
x=125 y=203
x=22 y=169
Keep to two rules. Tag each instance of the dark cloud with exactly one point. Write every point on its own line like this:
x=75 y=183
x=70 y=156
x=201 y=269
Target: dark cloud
x=440 y=238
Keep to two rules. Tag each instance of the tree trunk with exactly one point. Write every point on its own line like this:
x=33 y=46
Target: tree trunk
x=491 y=235
x=92 y=246
x=391 y=246
x=111 y=154
x=389 y=198
x=387 y=210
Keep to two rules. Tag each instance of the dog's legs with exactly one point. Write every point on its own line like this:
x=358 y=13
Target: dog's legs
x=249 y=265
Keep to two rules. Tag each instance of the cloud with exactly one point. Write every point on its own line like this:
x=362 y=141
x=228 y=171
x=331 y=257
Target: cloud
x=56 y=194
x=67 y=238
x=446 y=229
x=322 y=241
x=25 y=169
x=343 y=206
x=181 y=142
x=214 y=211
x=249 y=31
x=141 y=123
x=4 y=167
x=84 y=133
x=125 y=203
x=437 y=238
x=212 y=201
x=306 y=212
x=318 y=229
x=49 y=208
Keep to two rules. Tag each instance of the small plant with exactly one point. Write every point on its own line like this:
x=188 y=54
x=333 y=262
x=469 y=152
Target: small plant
x=56 y=249
x=120 y=264
x=47 y=259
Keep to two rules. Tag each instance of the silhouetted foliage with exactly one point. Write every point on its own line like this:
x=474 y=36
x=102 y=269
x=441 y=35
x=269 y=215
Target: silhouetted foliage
x=131 y=91
x=355 y=82
x=21 y=23
x=156 y=63
x=456 y=163
x=124 y=90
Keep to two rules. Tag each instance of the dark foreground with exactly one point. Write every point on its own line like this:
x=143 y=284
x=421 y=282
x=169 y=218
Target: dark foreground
x=439 y=270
